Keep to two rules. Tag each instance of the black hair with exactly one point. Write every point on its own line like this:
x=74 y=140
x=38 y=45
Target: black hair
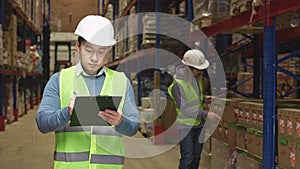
x=80 y=40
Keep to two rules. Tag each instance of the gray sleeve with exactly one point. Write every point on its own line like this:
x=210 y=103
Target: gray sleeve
x=131 y=120
x=183 y=105
x=50 y=117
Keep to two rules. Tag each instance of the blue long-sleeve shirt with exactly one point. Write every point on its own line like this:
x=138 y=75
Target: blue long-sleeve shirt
x=51 y=117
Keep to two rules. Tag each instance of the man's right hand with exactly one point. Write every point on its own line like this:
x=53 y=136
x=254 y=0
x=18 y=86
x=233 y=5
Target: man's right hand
x=71 y=105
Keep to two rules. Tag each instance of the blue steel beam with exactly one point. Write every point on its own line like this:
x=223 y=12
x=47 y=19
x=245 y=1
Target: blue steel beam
x=190 y=10
x=269 y=88
x=269 y=97
x=297 y=53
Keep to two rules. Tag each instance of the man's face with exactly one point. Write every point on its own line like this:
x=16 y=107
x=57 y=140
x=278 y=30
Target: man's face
x=196 y=72
x=92 y=57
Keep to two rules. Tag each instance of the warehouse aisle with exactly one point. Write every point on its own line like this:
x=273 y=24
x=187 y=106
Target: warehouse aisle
x=23 y=146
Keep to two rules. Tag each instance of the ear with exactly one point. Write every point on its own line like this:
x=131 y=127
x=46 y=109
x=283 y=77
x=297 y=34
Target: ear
x=77 y=46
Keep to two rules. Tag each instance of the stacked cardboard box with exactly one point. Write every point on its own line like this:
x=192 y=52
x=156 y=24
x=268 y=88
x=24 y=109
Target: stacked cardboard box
x=222 y=154
x=285 y=84
x=288 y=137
x=246 y=161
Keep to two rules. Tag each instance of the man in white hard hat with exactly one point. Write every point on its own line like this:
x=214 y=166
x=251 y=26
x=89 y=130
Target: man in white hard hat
x=82 y=147
x=187 y=94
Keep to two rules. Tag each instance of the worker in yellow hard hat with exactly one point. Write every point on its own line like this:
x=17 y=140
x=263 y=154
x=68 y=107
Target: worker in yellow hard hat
x=187 y=94
x=83 y=147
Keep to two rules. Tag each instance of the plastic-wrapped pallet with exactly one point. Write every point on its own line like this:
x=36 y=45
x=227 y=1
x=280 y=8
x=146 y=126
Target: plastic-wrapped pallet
x=200 y=8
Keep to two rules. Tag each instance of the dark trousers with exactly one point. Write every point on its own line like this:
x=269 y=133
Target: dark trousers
x=190 y=148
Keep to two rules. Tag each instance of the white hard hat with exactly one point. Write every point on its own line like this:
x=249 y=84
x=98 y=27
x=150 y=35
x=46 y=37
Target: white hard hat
x=97 y=30
x=196 y=59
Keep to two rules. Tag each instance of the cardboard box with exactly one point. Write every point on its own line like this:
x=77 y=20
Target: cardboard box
x=283 y=153
x=247 y=113
x=258 y=144
x=244 y=161
x=207 y=145
x=229 y=130
x=220 y=154
x=287 y=125
x=219 y=150
x=250 y=141
x=241 y=137
x=298 y=155
x=218 y=133
x=230 y=112
x=292 y=157
x=241 y=115
x=297 y=125
x=257 y=116
x=281 y=123
x=205 y=161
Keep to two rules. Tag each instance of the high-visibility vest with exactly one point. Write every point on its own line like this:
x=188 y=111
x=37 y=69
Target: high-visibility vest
x=89 y=147
x=193 y=98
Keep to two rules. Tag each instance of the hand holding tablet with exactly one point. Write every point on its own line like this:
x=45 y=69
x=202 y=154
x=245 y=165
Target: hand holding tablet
x=87 y=108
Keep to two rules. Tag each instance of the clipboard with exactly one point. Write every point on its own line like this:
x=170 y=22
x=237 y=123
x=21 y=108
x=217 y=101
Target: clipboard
x=86 y=109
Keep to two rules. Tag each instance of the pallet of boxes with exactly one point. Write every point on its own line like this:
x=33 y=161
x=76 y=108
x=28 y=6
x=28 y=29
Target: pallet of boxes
x=236 y=141
x=288 y=138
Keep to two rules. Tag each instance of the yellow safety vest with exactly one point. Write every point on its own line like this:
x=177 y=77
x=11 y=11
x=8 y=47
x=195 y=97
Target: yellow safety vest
x=193 y=98
x=89 y=147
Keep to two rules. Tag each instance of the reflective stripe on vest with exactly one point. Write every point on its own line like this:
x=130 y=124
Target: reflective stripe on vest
x=84 y=156
x=193 y=99
x=93 y=147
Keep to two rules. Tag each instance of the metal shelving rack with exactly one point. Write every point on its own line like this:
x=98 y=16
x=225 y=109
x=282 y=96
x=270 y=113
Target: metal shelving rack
x=266 y=13
x=32 y=80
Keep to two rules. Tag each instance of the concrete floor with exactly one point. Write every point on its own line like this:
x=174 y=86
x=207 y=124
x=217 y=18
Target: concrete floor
x=22 y=146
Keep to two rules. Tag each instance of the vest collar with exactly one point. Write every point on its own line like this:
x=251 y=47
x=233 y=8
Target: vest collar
x=80 y=71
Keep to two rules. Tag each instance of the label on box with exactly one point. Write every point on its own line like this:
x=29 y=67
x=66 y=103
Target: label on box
x=220 y=129
x=236 y=113
x=289 y=126
x=260 y=119
x=298 y=128
x=241 y=115
x=254 y=118
x=281 y=125
x=247 y=116
x=292 y=157
x=226 y=133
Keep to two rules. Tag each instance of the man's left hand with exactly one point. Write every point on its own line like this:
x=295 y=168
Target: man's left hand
x=112 y=117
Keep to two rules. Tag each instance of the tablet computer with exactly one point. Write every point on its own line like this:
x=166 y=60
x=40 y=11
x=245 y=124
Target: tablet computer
x=86 y=109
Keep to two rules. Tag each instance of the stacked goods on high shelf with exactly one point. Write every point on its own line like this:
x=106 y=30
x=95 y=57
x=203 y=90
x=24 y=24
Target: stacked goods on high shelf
x=168 y=35
x=285 y=83
x=133 y=30
x=121 y=40
x=109 y=13
x=123 y=5
x=32 y=10
x=210 y=11
x=10 y=43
